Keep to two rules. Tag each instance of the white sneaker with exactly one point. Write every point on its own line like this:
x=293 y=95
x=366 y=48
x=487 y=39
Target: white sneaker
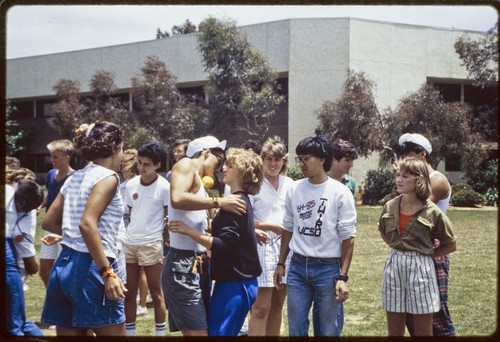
x=142 y=310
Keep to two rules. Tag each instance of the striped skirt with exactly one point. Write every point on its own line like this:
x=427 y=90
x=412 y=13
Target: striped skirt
x=409 y=283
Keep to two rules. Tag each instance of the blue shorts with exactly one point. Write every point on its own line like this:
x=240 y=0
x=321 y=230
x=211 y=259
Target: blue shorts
x=186 y=291
x=75 y=294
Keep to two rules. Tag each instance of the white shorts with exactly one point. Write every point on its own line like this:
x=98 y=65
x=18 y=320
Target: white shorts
x=409 y=283
x=268 y=257
x=49 y=252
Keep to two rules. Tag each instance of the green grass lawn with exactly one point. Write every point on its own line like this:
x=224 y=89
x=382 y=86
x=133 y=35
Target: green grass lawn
x=473 y=278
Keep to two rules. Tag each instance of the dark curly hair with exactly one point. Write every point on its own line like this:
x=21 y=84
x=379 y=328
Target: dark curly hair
x=99 y=140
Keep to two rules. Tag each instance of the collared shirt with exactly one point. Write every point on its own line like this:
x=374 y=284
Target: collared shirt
x=426 y=225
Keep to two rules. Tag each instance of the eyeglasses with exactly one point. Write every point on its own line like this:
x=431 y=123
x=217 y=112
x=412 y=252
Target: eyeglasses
x=303 y=159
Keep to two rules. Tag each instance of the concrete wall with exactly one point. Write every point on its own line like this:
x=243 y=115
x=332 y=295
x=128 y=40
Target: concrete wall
x=319 y=58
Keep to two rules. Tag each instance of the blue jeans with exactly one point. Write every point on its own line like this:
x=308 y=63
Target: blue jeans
x=313 y=280
x=17 y=324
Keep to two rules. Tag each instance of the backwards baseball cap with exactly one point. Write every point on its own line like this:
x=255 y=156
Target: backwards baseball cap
x=416 y=139
x=204 y=143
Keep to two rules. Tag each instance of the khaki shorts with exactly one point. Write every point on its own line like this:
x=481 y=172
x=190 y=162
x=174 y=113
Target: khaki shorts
x=144 y=255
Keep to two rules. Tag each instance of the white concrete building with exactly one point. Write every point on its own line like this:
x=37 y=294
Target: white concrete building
x=312 y=57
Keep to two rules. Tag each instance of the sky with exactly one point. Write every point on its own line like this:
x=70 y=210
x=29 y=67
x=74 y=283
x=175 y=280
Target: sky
x=40 y=30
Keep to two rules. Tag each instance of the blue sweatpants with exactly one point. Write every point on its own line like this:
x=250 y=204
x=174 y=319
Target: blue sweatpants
x=229 y=305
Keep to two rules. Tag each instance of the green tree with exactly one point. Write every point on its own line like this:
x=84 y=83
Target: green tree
x=15 y=137
x=447 y=125
x=184 y=28
x=354 y=116
x=69 y=112
x=243 y=91
x=158 y=105
x=480 y=57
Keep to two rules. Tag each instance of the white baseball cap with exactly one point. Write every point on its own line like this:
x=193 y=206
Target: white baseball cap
x=204 y=143
x=417 y=139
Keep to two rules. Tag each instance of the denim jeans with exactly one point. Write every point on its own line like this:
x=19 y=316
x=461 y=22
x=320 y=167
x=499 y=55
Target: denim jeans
x=17 y=324
x=312 y=280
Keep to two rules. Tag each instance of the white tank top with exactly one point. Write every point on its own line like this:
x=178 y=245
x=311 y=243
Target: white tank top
x=442 y=203
x=196 y=219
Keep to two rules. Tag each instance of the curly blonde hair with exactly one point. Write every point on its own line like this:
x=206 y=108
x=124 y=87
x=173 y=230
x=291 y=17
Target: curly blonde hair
x=248 y=166
x=417 y=168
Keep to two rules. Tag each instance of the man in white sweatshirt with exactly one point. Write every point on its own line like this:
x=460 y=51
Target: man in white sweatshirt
x=319 y=228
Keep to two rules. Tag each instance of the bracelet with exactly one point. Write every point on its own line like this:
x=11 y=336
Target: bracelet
x=216 y=202
x=109 y=273
x=281 y=264
x=104 y=269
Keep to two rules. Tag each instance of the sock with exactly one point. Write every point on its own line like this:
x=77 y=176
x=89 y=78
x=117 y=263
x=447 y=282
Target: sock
x=130 y=329
x=160 y=329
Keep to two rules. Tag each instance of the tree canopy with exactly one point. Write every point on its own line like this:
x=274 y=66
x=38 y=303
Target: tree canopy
x=184 y=28
x=447 y=125
x=480 y=57
x=158 y=105
x=15 y=137
x=159 y=110
x=354 y=116
x=243 y=90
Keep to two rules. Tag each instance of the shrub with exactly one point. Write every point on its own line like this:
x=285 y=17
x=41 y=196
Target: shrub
x=483 y=176
x=459 y=187
x=491 y=196
x=466 y=198
x=295 y=172
x=378 y=184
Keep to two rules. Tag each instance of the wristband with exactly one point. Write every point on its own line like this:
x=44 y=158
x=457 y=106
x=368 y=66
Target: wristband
x=104 y=269
x=109 y=273
x=343 y=277
x=281 y=264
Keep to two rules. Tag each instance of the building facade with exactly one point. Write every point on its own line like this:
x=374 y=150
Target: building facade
x=311 y=56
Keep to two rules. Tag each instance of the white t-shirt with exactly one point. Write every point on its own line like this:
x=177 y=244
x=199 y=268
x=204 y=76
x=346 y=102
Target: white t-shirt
x=320 y=216
x=10 y=210
x=147 y=210
x=26 y=223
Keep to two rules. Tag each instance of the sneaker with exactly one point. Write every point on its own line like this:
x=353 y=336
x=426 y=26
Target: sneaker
x=142 y=310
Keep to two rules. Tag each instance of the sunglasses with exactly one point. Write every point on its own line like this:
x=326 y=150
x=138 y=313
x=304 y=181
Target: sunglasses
x=220 y=161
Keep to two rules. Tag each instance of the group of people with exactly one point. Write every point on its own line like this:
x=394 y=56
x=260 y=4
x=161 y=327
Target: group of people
x=212 y=260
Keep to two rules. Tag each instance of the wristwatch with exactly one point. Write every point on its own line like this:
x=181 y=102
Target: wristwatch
x=343 y=277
